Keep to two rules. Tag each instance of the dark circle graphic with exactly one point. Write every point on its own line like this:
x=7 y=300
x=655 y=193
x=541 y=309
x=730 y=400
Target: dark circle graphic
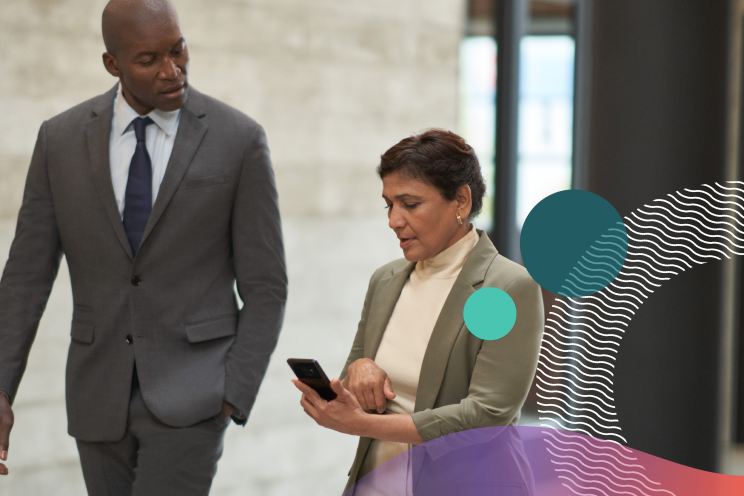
x=574 y=243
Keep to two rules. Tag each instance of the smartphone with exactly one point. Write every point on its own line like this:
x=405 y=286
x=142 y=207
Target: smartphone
x=309 y=372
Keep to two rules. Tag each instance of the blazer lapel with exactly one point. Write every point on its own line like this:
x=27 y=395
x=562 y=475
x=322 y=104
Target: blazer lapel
x=99 y=134
x=386 y=296
x=451 y=322
x=191 y=131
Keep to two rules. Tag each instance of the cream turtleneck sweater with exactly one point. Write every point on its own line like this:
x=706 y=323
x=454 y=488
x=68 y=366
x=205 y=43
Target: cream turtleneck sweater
x=406 y=337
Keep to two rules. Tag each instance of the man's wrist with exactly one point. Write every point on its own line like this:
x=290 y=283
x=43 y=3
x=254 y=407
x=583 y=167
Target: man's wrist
x=7 y=396
x=237 y=413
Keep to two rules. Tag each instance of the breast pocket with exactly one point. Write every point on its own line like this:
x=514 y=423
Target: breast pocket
x=203 y=182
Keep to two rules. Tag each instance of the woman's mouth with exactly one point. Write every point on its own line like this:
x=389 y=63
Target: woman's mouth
x=405 y=242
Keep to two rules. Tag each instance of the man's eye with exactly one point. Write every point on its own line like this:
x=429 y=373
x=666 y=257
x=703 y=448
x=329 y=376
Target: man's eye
x=146 y=62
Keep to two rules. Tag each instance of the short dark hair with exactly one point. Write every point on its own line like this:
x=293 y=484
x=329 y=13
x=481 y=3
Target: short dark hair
x=440 y=158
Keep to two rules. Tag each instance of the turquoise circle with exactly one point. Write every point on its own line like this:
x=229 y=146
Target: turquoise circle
x=574 y=243
x=490 y=313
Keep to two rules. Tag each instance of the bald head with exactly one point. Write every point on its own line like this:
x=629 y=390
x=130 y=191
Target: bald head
x=123 y=18
x=146 y=50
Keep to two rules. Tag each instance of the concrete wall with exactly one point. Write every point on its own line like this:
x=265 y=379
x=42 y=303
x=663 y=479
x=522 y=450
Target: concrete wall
x=335 y=82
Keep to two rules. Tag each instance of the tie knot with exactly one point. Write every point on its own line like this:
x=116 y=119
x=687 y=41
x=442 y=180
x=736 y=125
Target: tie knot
x=140 y=123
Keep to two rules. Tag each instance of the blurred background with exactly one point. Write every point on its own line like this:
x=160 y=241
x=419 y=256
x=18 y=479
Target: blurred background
x=629 y=99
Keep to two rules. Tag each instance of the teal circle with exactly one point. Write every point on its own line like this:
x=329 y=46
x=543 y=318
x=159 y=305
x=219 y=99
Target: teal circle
x=490 y=313
x=574 y=243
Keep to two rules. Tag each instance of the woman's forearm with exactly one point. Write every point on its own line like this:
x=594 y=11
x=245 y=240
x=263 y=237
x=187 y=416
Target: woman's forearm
x=394 y=427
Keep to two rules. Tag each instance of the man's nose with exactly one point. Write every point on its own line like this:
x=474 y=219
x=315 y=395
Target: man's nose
x=170 y=70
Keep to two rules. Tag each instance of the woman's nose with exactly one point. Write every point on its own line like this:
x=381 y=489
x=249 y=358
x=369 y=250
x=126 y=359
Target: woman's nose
x=395 y=220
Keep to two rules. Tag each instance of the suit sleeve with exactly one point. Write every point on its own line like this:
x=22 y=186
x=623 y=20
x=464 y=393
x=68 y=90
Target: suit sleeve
x=502 y=376
x=261 y=274
x=29 y=272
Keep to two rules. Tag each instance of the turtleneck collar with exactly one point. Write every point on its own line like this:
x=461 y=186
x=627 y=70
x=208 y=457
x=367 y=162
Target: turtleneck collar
x=448 y=263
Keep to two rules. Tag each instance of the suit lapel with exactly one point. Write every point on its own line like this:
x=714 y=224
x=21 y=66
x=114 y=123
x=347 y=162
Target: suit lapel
x=385 y=298
x=191 y=131
x=450 y=322
x=99 y=135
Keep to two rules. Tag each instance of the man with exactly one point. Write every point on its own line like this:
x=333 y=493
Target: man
x=161 y=199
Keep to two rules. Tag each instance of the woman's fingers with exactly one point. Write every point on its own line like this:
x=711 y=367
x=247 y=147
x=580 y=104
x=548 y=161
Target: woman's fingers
x=366 y=398
x=338 y=388
x=311 y=394
x=309 y=408
x=369 y=400
x=299 y=385
x=373 y=395
x=380 y=400
x=387 y=389
x=343 y=395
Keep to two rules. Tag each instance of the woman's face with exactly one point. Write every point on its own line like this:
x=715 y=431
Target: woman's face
x=424 y=221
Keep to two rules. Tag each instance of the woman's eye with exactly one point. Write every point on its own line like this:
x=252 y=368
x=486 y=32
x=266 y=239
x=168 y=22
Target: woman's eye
x=388 y=206
x=411 y=206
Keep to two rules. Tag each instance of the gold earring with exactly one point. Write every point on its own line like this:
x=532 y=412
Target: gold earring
x=459 y=220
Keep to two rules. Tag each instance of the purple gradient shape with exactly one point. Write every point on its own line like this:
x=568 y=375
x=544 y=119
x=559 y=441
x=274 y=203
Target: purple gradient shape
x=506 y=461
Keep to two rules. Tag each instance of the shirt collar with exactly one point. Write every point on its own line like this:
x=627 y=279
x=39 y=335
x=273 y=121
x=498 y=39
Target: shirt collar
x=125 y=114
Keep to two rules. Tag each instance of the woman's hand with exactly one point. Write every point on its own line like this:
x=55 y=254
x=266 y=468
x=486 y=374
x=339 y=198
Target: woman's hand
x=343 y=414
x=370 y=384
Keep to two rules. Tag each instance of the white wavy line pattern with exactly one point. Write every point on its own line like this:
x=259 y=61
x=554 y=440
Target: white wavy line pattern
x=583 y=334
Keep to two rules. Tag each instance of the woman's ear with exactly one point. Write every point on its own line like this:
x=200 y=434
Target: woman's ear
x=464 y=199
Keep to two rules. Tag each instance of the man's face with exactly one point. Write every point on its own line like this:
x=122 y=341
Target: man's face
x=152 y=65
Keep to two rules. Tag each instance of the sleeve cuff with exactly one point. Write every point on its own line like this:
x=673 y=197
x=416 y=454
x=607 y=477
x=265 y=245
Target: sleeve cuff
x=238 y=416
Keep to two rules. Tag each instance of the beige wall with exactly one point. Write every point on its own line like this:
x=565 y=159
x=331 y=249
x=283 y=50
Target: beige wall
x=335 y=82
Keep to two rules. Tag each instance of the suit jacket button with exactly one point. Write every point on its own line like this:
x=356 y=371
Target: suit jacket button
x=130 y=339
x=136 y=281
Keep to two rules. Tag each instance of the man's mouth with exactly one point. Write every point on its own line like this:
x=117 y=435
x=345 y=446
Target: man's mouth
x=174 y=91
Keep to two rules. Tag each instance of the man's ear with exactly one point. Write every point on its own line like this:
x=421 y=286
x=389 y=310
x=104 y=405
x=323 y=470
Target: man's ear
x=464 y=199
x=111 y=64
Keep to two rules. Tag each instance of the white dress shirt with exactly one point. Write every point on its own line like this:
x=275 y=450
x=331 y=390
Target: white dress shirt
x=159 y=138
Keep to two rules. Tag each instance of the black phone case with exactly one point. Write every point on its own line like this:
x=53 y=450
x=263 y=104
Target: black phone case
x=309 y=372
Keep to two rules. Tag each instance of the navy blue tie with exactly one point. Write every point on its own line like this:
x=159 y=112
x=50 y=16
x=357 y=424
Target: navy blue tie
x=138 y=198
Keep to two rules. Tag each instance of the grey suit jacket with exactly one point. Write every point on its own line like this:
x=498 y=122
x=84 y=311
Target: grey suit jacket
x=465 y=382
x=215 y=221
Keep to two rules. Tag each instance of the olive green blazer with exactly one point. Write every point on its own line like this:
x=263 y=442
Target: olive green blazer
x=465 y=382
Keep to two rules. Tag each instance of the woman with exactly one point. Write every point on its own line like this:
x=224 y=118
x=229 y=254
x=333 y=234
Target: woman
x=415 y=372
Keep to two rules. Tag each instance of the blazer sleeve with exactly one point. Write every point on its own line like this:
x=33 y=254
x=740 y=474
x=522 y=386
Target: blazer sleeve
x=30 y=271
x=503 y=373
x=357 y=348
x=261 y=274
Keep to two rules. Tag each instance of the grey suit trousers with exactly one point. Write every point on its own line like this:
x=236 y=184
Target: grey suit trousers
x=154 y=459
